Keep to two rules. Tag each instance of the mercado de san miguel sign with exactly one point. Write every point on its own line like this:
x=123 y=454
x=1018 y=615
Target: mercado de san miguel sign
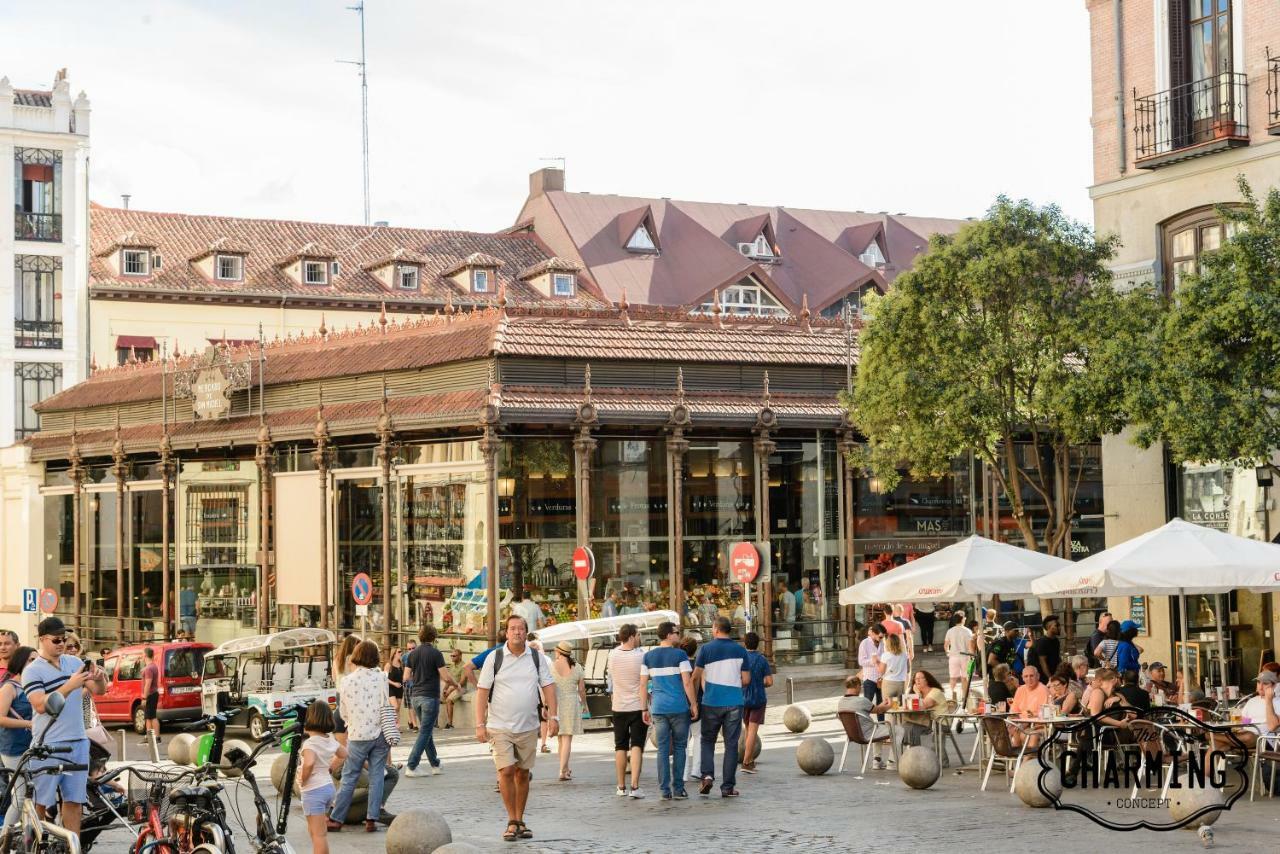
x=210 y=382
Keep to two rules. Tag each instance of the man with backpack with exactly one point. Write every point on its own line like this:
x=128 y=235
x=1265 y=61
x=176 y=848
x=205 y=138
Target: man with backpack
x=515 y=692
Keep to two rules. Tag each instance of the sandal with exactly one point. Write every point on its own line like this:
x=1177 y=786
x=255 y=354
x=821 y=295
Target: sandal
x=546 y=749
x=525 y=832
x=512 y=833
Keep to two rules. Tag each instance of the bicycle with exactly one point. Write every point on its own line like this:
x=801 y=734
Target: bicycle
x=269 y=836
x=31 y=834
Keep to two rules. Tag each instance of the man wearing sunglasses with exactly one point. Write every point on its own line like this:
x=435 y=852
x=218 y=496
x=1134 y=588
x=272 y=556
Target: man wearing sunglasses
x=56 y=671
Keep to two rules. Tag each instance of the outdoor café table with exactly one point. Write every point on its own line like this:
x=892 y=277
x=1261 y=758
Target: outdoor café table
x=946 y=719
x=1027 y=723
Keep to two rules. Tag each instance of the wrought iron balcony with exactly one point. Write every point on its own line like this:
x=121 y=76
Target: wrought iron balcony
x=37 y=334
x=37 y=226
x=1191 y=120
x=1273 y=93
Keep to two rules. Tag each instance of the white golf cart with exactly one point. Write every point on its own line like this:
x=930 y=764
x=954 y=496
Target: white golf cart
x=265 y=674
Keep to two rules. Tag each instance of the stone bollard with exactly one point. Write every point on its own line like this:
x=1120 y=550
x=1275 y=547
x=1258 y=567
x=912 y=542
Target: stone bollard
x=815 y=756
x=1184 y=802
x=458 y=848
x=234 y=750
x=182 y=748
x=797 y=718
x=1027 y=787
x=918 y=767
x=418 y=830
x=743 y=757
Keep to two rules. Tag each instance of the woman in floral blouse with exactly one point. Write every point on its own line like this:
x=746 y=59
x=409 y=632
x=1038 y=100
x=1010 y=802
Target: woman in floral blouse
x=361 y=698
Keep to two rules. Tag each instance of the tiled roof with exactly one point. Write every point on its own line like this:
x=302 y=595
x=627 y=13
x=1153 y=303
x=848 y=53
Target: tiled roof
x=32 y=98
x=818 y=250
x=268 y=242
x=656 y=404
x=551 y=265
x=638 y=334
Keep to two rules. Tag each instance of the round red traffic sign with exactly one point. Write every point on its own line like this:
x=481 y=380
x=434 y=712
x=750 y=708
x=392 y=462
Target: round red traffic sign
x=584 y=563
x=48 y=600
x=362 y=588
x=744 y=562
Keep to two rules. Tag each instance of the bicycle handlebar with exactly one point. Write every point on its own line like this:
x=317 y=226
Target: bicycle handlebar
x=223 y=717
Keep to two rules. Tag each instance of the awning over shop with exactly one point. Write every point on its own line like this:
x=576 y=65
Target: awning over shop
x=137 y=342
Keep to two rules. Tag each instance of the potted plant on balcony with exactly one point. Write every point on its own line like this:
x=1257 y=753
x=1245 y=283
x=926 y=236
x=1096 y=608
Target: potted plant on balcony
x=1224 y=126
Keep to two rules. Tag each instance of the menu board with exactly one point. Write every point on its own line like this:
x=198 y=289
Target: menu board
x=1138 y=612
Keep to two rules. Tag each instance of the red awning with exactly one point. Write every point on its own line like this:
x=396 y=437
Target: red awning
x=137 y=342
x=37 y=172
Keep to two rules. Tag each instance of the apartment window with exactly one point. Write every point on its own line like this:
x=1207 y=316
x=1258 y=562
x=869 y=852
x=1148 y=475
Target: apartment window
x=748 y=298
x=230 y=268
x=37 y=180
x=32 y=383
x=141 y=354
x=641 y=241
x=562 y=284
x=1189 y=236
x=315 y=272
x=407 y=278
x=762 y=247
x=135 y=262
x=37 y=301
x=872 y=256
x=480 y=281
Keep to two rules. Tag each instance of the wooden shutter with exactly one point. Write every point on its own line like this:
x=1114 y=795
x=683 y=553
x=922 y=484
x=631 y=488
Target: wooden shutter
x=1179 y=74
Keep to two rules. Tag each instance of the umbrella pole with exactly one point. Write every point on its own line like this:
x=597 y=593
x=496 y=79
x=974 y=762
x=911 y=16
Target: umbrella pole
x=1221 y=601
x=979 y=646
x=1184 y=663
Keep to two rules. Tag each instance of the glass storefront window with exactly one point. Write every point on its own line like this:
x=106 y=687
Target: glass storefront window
x=797 y=484
x=442 y=546
x=629 y=523
x=100 y=556
x=218 y=532
x=142 y=595
x=719 y=510
x=537 y=520
x=358 y=520
x=59 y=530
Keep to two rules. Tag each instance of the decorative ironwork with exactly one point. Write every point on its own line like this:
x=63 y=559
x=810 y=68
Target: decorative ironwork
x=37 y=303
x=37 y=174
x=1211 y=110
x=210 y=380
x=33 y=382
x=1273 y=93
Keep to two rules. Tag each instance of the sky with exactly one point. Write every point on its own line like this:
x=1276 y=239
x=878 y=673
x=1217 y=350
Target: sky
x=242 y=108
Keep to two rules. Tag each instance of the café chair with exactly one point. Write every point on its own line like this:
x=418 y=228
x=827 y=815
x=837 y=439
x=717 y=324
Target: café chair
x=1268 y=748
x=854 y=735
x=997 y=733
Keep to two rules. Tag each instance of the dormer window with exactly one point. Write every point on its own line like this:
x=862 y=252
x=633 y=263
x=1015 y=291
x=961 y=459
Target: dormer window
x=641 y=240
x=407 y=277
x=315 y=272
x=229 y=268
x=762 y=248
x=135 y=262
x=480 y=281
x=872 y=256
x=562 y=284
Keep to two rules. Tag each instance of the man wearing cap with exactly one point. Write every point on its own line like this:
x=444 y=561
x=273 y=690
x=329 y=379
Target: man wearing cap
x=1160 y=682
x=1262 y=713
x=49 y=673
x=1005 y=648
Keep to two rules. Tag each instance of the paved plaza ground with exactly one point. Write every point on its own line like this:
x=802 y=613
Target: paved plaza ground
x=781 y=809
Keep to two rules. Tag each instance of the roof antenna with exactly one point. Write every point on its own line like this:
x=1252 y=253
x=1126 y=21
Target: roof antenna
x=364 y=105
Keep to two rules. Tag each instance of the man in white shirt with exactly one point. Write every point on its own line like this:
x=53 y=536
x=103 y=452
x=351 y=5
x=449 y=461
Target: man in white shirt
x=527 y=608
x=869 y=660
x=629 y=728
x=514 y=683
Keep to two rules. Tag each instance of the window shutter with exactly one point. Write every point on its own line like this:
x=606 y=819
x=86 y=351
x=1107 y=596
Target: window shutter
x=1179 y=74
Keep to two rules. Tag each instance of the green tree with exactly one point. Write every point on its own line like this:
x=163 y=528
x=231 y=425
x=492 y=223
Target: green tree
x=1216 y=386
x=1005 y=337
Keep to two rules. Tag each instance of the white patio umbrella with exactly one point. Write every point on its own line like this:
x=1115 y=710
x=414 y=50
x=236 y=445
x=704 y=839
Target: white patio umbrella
x=1178 y=558
x=971 y=569
x=603 y=626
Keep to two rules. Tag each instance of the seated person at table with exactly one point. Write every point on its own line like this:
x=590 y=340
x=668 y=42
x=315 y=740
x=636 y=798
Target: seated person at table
x=1133 y=695
x=1263 y=712
x=1079 y=680
x=1160 y=682
x=1031 y=696
x=934 y=703
x=1002 y=686
x=1105 y=698
x=853 y=701
x=1065 y=700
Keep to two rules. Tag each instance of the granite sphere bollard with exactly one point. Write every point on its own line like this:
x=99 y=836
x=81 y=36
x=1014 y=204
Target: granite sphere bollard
x=1026 y=784
x=918 y=767
x=418 y=830
x=743 y=757
x=182 y=748
x=815 y=755
x=1184 y=802
x=797 y=718
x=234 y=750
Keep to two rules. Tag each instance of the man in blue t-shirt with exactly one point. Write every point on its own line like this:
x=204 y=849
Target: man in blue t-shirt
x=722 y=670
x=52 y=672
x=669 y=703
x=754 y=699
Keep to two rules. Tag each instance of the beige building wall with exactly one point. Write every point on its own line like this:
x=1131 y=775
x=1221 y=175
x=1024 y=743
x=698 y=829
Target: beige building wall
x=21 y=536
x=189 y=326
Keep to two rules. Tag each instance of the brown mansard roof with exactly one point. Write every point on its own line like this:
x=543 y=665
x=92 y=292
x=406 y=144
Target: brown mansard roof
x=637 y=334
x=182 y=239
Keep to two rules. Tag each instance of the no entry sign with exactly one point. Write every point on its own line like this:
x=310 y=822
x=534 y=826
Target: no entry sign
x=362 y=588
x=584 y=563
x=744 y=562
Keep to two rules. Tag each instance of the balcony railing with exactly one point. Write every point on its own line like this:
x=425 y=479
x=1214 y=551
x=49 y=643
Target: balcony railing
x=1191 y=120
x=37 y=334
x=37 y=226
x=1273 y=93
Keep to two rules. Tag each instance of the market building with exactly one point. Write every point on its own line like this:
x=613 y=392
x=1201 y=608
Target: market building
x=1186 y=98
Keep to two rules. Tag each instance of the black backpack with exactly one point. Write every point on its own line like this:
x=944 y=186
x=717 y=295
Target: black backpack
x=537 y=682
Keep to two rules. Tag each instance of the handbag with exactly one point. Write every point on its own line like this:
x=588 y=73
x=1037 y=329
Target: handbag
x=390 y=724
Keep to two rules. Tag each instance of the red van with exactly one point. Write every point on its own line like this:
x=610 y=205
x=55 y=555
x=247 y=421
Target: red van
x=181 y=666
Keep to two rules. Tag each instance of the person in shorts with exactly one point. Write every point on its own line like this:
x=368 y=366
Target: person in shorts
x=49 y=673
x=151 y=691
x=754 y=699
x=514 y=689
x=629 y=729
x=319 y=752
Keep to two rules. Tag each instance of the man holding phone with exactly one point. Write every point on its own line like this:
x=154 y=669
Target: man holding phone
x=54 y=672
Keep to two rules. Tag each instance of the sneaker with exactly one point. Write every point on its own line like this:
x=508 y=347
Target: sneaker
x=729 y=793
x=666 y=796
x=749 y=769
x=435 y=771
x=682 y=795
x=621 y=792
x=414 y=772
x=878 y=764
x=705 y=788
x=637 y=794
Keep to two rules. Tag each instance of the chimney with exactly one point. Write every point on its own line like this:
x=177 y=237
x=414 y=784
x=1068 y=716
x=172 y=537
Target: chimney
x=545 y=180
x=124 y=197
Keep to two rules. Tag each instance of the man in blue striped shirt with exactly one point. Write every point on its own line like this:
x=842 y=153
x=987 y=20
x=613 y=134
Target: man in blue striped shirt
x=667 y=672
x=723 y=670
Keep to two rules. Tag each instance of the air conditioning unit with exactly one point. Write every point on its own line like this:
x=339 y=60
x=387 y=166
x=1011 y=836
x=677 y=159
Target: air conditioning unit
x=747 y=249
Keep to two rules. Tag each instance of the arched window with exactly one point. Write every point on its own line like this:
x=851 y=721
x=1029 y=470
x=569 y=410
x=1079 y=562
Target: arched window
x=1186 y=237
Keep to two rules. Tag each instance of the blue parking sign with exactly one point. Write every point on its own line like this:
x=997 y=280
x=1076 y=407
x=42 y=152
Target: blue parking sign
x=29 y=597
